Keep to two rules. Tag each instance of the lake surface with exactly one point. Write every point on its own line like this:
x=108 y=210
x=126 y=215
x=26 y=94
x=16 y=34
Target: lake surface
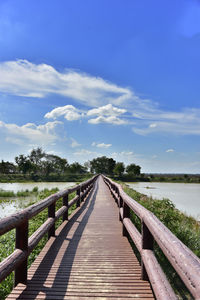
x=19 y=186
x=14 y=204
x=185 y=196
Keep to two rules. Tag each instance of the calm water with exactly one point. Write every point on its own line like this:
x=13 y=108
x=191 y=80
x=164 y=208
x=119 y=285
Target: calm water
x=185 y=196
x=11 y=205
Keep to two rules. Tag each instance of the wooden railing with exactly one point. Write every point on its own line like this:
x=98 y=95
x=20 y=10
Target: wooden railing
x=184 y=261
x=24 y=246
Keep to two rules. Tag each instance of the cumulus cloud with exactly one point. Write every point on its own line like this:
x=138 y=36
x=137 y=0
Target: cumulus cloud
x=69 y=112
x=152 y=125
x=107 y=114
x=170 y=150
x=30 y=133
x=101 y=145
x=108 y=120
x=106 y=110
x=23 y=78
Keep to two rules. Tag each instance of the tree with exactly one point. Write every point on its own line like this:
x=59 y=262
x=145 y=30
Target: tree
x=119 y=169
x=133 y=169
x=76 y=168
x=87 y=165
x=102 y=165
x=23 y=163
x=36 y=156
x=55 y=164
x=7 y=168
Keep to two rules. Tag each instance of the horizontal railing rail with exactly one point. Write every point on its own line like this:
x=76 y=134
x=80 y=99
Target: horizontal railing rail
x=183 y=260
x=17 y=261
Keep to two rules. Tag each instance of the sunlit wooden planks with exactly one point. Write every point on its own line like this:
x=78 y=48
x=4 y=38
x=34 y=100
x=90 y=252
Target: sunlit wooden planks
x=88 y=259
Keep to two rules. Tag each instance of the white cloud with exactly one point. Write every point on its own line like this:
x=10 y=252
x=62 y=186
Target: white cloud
x=23 y=78
x=83 y=152
x=173 y=127
x=30 y=133
x=129 y=153
x=84 y=155
x=106 y=110
x=170 y=150
x=122 y=154
x=101 y=145
x=126 y=156
x=153 y=125
x=107 y=114
x=69 y=112
x=184 y=122
x=108 y=120
x=74 y=143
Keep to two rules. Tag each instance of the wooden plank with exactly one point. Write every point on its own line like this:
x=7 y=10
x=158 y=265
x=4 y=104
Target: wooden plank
x=87 y=259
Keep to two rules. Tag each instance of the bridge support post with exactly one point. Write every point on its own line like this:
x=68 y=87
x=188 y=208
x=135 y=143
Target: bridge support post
x=51 y=214
x=126 y=214
x=147 y=243
x=22 y=244
x=65 y=203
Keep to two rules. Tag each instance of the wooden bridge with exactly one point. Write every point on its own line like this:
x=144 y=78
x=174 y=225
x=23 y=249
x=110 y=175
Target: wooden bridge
x=88 y=257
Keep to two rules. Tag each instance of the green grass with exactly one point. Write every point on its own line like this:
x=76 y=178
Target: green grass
x=26 y=193
x=186 y=228
x=4 y=193
x=7 y=243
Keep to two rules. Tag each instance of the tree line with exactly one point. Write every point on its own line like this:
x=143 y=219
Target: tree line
x=41 y=165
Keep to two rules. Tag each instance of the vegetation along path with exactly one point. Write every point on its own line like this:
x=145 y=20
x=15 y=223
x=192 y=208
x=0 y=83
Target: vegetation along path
x=88 y=258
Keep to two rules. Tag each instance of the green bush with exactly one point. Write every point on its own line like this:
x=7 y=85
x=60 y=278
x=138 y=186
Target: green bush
x=35 y=189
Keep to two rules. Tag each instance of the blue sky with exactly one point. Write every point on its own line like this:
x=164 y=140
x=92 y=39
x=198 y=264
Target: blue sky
x=88 y=78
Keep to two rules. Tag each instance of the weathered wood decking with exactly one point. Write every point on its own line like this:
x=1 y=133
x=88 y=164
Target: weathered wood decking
x=88 y=259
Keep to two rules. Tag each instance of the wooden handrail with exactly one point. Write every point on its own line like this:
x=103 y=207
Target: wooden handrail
x=24 y=246
x=184 y=261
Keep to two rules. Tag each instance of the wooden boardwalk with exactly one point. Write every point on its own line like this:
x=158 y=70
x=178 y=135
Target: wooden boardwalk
x=88 y=259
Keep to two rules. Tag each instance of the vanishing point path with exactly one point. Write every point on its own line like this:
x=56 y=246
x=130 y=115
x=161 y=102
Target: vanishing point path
x=88 y=258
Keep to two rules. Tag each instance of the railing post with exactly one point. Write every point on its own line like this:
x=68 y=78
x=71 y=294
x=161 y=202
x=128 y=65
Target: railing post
x=120 y=205
x=51 y=214
x=22 y=244
x=78 y=192
x=126 y=214
x=115 y=192
x=118 y=196
x=81 y=195
x=65 y=203
x=147 y=243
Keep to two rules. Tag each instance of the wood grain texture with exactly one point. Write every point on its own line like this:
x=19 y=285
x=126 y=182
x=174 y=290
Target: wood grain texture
x=88 y=258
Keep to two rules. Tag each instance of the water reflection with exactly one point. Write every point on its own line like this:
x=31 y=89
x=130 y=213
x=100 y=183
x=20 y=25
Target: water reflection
x=10 y=205
x=185 y=196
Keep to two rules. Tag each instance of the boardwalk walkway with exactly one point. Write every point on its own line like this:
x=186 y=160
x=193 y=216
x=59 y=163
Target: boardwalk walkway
x=88 y=259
